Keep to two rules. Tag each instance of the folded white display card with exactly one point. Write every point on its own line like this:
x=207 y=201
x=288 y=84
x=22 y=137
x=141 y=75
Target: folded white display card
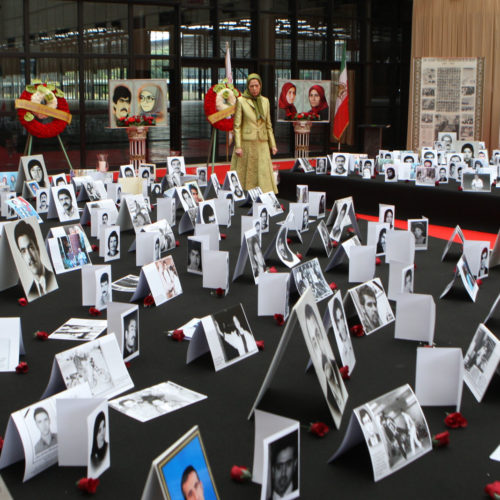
x=361 y=263
x=457 y=232
x=216 y=269
x=309 y=274
x=322 y=236
x=273 y=294
x=212 y=230
x=317 y=204
x=109 y=243
x=250 y=251
x=470 y=284
x=11 y=343
x=165 y=209
x=279 y=246
x=400 y=247
x=415 y=317
x=276 y=446
x=439 y=376
x=342 y=252
x=401 y=279
x=96 y=286
x=477 y=254
x=123 y=322
x=148 y=247
x=79 y=329
x=394 y=429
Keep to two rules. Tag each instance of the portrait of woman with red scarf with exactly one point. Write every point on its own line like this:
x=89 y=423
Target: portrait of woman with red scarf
x=318 y=102
x=286 y=107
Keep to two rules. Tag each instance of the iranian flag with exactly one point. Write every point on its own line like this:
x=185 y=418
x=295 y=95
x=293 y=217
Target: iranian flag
x=341 y=119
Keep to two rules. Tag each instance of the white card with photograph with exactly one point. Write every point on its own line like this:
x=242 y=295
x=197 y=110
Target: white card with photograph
x=215 y=269
x=477 y=254
x=201 y=176
x=42 y=201
x=439 y=376
x=79 y=329
x=64 y=200
x=98 y=363
x=123 y=322
x=467 y=278
x=415 y=317
x=340 y=164
x=127 y=170
x=207 y=213
x=261 y=211
x=223 y=211
x=282 y=249
x=68 y=252
x=420 y=230
x=96 y=286
x=137 y=211
x=457 y=234
x=400 y=247
x=361 y=263
x=32 y=434
x=300 y=219
x=114 y=192
x=109 y=244
x=232 y=182
x=165 y=209
x=22 y=208
x=30 y=257
x=481 y=361
x=195 y=247
x=317 y=204
x=401 y=279
x=269 y=198
x=162 y=280
x=126 y=284
x=372 y=306
x=474 y=181
x=148 y=247
x=309 y=274
x=11 y=343
x=154 y=401
x=273 y=294
x=33 y=169
x=185 y=197
x=387 y=214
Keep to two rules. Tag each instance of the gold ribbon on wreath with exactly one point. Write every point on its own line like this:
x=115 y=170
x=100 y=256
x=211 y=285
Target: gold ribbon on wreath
x=43 y=109
x=223 y=113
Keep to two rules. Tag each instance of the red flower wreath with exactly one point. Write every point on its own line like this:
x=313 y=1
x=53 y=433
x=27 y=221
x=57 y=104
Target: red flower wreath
x=219 y=98
x=39 y=124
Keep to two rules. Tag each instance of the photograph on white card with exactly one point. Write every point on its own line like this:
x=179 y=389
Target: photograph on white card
x=154 y=401
x=269 y=198
x=386 y=213
x=407 y=279
x=380 y=234
x=207 y=214
x=103 y=292
x=138 y=211
x=325 y=237
x=322 y=356
x=127 y=171
x=111 y=242
x=420 y=230
x=340 y=164
x=309 y=274
x=283 y=250
x=255 y=255
x=484 y=262
x=426 y=175
x=30 y=257
x=321 y=165
x=58 y=180
x=372 y=305
x=366 y=169
x=261 y=211
x=95 y=189
x=317 y=204
x=195 y=191
x=341 y=330
x=302 y=193
x=201 y=176
x=79 y=329
x=35 y=170
x=342 y=218
x=194 y=253
x=65 y=202
x=98 y=444
x=147 y=172
x=163 y=279
x=443 y=174
x=186 y=198
x=167 y=238
x=395 y=430
x=130 y=340
x=234 y=184
x=281 y=465
x=33 y=188
x=467 y=278
x=477 y=255
x=42 y=201
x=176 y=165
x=474 y=181
x=391 y=173
x=127 y=283
x=98 y=363
x=481 y=361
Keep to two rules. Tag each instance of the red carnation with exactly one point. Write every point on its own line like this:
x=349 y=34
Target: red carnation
x=357 y=330
x=441 y=439
x=223 y=236
x=272 y=269
x=460 y=188
x=127 y=364
x=344 y=371
x=335 y=244
x=177 y=243
x=88 y=484
x=436 y=183
x=289 y=240
x=219 y=292
x=178 y=335
x=95 y=248
x=22 y=302
x=455 y=420
x=378 y=261
x=493 y=490
x=149 y=301
x=319 y=429
x=300 y=256
x=240 y=474
x=333 y=285
x=280 y=320
x=479 y=282
x=93 y=311
x=350 y=230
x=41 y=335
x=1 y=443
x=260 y=344
x=22 y=367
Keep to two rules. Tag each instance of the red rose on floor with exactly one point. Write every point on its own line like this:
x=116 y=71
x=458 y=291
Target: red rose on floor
x=335 y=244
x=22 y=301
x=1 y=443
x=350 y=230
x=127 y=364
x=240 y=474
x=282 y=207
x=479 y=282
x=414 y=266
x=93 y=311
x=177 y=243
x=22 y=367
x=319 y=429
x=88 y=484
x=455 y=420
x=493 y=490
x=178 y=335
x=272 y=269
x=289 y=240
x=441 y=439
x=344 y=371
x=357 y=330
x=378 y=261
x=149 y=301
x=223 y=236
x=41 y=335
x=300 y=256
x=219 y=292
x=436 y=183
x=95 y=248
x=460 y=188
x=260 y=344
x=333 y=285
x=280 y=320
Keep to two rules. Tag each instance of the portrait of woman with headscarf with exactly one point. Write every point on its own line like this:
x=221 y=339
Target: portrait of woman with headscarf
x=254 y=138
x=150 y=101
x=318 y=102
x=286 y=106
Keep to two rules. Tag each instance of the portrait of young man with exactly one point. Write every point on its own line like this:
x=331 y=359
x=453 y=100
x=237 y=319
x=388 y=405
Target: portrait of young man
x=121 y=102
x=65 y=200
x=48 y=439
x=284 y=465
x=130 y=335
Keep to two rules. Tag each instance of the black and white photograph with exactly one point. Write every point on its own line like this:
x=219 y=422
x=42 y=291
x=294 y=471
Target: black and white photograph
x=126 y=283
x=322 y=357
x=381 y=231
x=195 y=192
x=112 y=242
x=325 y=237
x=467 y=278
x=481 y=361
x=283 y=250
x=386 y=213
x=257 y=262
x=443 y=175
x=147 y=171
x=302 y=191
x=229 y=336
x=176 y=167
x=42 y=201
x=321 y=165
x=407 y=279
x=281 y=478
x=65 y=202
x=341 y=331
x=194 y=262
x=167 y=237
x=34 y=170
x=372 y=305
x=420 y=229
x=397 y=419
x=98 y=363
x=484 y=263
x=130 y=334
x=426 y=174
x=79 y=329
x=263 y=215
x=235 y=186
x=30 y=257
x=305 y=218
x=309 y=274
x=391 y=173
x=127 y=171
x=154 y=401
x=366 y=169
x=272 y=202
x=340 y=164
x=58 y=179
x=138 y=210
x=163 y=279
x=201 y=176
x=103 y=291
x=342 y=218
x=474 y=181
x=207 y=212
x=95 y=189
x=98 y=441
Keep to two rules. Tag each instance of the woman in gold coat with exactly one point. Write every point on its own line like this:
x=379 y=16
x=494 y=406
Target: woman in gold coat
x=254 y=138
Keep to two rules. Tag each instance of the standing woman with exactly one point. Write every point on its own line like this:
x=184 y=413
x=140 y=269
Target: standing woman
x=253 y=138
